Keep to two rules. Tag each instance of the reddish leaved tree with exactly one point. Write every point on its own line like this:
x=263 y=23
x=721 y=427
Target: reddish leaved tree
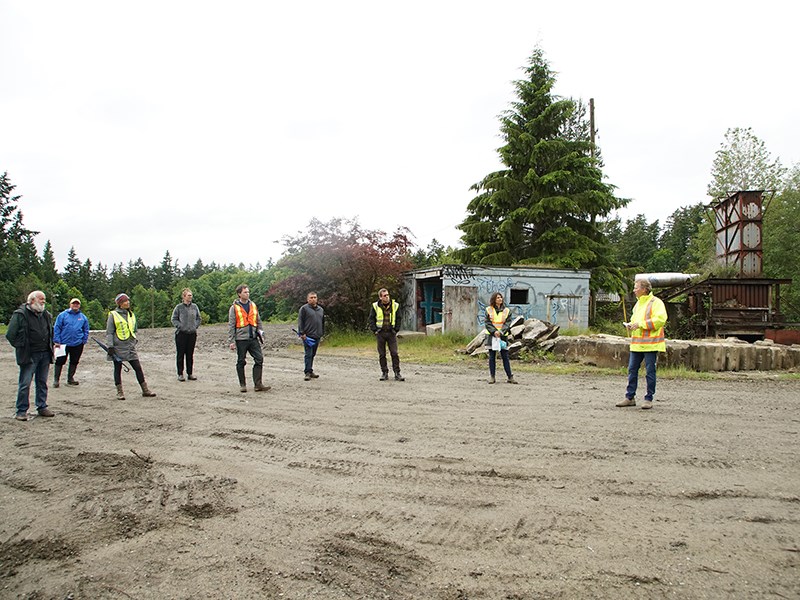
x=345 y=264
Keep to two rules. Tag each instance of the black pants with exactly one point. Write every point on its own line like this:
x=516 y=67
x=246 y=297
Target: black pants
x=243 y=347
x=135 y=365
x=184 y=343
x=74 y=354
x=388 y=338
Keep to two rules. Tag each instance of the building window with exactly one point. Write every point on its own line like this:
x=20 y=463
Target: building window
x=519 y=297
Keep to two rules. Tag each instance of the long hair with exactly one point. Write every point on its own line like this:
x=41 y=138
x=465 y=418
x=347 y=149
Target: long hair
x=493 y=298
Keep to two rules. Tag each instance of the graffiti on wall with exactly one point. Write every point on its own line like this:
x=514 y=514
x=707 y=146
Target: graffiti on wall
x=555 y=304
x=458 y=274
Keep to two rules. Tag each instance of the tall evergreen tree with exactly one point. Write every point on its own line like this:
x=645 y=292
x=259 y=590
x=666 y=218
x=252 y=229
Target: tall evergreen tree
x=73 y=268
x=18 y=258
x=49 y=272
x=543 y=208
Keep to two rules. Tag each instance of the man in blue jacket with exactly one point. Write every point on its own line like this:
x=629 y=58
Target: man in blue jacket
x=71 y=331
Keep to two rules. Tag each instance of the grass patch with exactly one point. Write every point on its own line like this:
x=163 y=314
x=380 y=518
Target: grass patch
x=3 y=329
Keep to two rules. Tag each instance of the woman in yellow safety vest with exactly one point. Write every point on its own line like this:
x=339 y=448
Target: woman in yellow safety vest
x=121 y=341
x=497 y=325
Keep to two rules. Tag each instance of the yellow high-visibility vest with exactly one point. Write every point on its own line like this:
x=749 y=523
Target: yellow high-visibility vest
x=651 y=316
x=379 y=313
x=125 y=328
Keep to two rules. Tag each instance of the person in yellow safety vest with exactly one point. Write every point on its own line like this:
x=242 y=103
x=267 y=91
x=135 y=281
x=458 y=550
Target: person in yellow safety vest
x=121 y=341
x=646 y=329
x=245 y=335
x=497 y=324
x=384 y=321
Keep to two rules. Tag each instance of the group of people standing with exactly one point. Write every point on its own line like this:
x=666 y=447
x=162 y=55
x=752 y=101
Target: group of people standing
x=38 y=342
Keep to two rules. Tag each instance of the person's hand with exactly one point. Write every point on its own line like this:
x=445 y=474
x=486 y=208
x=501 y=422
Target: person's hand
x=233 y=346
x=112 y=351
x=496 y=334
x=303 y=336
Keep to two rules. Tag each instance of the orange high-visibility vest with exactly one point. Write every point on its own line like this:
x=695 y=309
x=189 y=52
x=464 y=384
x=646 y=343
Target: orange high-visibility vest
x=246 y=318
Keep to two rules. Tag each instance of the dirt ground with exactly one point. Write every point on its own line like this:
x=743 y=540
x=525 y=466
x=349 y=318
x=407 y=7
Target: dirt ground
x=440 y=487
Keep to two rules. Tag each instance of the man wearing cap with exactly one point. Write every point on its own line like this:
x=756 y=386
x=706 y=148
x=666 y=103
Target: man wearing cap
x=72 y=331
x=30 y=332
x=121 y=341
x=245 y=336
x=186 y=320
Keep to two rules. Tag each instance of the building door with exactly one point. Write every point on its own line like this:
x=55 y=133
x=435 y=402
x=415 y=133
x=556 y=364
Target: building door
x=461 y=309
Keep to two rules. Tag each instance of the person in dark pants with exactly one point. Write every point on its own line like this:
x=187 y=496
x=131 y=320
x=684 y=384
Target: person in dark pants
x=497 y=324
x=310 y=328
x=121 y=340
x=30 y=332
x=245 y=336
x=384 y=321
x=186 y=319
x=72 y=331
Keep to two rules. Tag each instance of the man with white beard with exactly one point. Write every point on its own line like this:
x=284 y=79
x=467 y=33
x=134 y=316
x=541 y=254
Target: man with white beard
x=30 y=331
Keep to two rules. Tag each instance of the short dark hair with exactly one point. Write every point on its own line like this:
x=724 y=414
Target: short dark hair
x=241 y=287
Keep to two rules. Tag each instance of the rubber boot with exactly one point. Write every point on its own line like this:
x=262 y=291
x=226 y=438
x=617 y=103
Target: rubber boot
x=120 y=393
x=146 y=390
x=71 y=374
x=259 y=387
x=242 y=381
x=57 y=375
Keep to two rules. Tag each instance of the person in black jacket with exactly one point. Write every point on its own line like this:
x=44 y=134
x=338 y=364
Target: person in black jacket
x=30 y=331
x=384 y=321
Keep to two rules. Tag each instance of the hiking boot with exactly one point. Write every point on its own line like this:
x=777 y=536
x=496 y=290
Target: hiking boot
x=314 y=375
x=191 y=377
x=243 y=388
x=55 y=383
x=262 y=388
x=46 y=412
x=626 y=402
x=398 y=377
x=181 y=377
x=647 y=404
x=512 y=380
x=21 y=417
x=72 y=382
x=307 y=377
x=492 y=380
x=384 y=377
x=120 y=393
x=146 y=393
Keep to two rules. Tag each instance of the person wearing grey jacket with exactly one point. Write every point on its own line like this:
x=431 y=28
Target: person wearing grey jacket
x=121 y=330
x=245 y=336
x=186 y=319
x=310 y=328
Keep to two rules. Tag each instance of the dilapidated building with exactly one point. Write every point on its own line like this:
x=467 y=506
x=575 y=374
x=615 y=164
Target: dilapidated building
x=457 y=296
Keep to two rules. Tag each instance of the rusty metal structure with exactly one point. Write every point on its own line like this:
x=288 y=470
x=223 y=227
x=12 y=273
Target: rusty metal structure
x=746 y=305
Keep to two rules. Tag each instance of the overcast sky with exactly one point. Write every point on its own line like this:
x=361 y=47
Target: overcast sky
x=212 y=129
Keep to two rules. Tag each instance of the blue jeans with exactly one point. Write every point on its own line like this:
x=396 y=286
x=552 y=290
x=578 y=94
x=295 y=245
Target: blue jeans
x=493 y=359
x=634 y=362
x=310 y=353
x=40 y=367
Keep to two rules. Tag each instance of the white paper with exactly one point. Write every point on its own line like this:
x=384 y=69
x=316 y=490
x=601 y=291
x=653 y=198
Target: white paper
x=495 y=344
x=61 y=350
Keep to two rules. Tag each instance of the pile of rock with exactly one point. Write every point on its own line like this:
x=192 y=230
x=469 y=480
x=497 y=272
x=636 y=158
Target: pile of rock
x=523 y=333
